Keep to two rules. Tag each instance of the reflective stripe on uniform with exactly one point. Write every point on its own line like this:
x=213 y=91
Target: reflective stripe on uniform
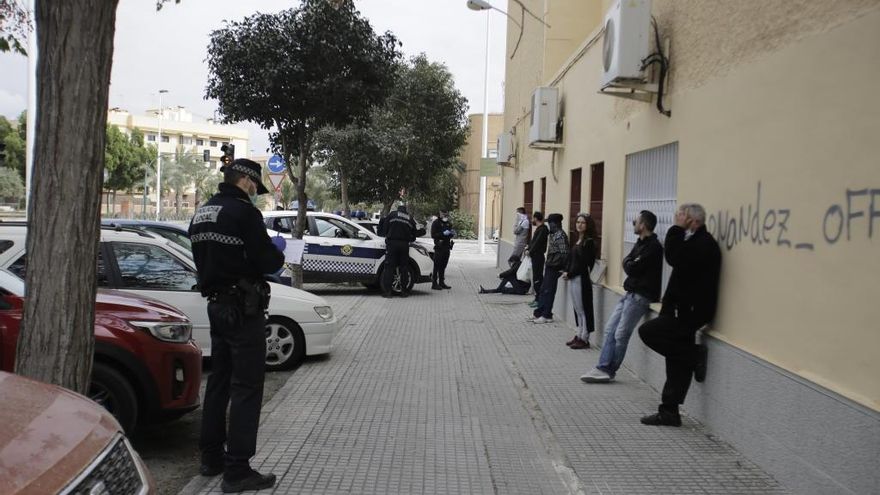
x=215 y=237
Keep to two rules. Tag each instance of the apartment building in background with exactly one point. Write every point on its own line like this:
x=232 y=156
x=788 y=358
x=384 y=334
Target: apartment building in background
x=772 y=127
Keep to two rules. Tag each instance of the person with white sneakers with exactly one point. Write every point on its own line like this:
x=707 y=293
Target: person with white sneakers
x=557 y=260
x=643 y=267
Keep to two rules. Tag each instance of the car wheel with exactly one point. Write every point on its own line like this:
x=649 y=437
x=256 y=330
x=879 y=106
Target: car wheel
x=112 y=391
x=285 y=344
x=402 y=281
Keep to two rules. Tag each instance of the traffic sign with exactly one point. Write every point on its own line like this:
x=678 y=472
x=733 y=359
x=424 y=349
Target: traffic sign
x=276 y=180
x=276 y=164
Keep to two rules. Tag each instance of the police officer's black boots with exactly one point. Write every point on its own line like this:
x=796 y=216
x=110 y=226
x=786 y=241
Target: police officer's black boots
x=434 y=284
x=443 y=285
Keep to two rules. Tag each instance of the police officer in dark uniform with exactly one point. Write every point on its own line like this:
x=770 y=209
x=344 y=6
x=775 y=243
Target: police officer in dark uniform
x=399 y=229
x=232 y=251
x=442 y=233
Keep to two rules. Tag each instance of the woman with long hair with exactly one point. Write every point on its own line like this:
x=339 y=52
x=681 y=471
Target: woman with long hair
x=580 y=287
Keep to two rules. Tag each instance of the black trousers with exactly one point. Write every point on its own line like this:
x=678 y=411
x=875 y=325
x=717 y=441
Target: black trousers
x=673 y=339
x=238 y=366
x=396 y=256
x=537 y=272
x=441 y=259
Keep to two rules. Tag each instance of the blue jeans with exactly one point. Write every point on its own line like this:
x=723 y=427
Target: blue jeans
x=548 y=293
x=627 y=313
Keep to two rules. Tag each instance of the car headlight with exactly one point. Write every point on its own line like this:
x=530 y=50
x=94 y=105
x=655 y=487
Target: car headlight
x=168 y=332
x=421 y=249
x=325 y=312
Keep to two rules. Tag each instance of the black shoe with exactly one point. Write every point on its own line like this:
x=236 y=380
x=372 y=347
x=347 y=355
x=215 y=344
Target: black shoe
x=700 y=365
x=386 y=296
x=436 y=287
x=662 y=419
x=482 y=290
x=253 y=481
x=404 y=294
x=207 y=469
x=444 y=286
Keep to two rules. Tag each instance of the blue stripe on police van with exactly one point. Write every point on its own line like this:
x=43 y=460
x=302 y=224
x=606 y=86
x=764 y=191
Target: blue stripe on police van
x=356 y=252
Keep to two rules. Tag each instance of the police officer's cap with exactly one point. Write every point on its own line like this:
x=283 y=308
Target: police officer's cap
x=249 y=168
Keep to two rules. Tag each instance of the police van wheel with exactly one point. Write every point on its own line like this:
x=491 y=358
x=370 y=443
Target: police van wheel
x=285 y=344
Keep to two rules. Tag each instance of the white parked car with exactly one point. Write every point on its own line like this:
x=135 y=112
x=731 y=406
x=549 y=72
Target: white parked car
x=299 y=323
x=339 y=250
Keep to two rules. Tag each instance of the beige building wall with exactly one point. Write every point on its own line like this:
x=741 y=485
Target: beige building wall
x=469 y=197
x=774 y=109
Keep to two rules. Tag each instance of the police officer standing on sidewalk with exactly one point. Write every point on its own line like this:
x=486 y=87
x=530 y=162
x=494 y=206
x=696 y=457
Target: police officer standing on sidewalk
x=232 y=252
x=399 y=229
x=442 y=233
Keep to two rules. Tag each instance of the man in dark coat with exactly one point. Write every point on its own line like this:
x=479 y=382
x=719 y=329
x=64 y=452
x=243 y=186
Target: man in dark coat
x=689 y=303
x=442 y=233
x=399 y=229
x=232 y=251
x=536 y=249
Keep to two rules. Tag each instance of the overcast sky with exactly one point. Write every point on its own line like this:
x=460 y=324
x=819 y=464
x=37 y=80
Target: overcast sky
x=167 y=50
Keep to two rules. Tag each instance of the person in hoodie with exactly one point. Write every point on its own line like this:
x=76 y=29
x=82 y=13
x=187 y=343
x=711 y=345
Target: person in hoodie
x=521 y=229
x=537 y=248
x=557 y=260
x=580 y=287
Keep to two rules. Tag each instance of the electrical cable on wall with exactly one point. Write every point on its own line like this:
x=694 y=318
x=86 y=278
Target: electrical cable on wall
x=662 y=60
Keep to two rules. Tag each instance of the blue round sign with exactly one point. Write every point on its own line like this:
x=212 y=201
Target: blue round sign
x=276 y=164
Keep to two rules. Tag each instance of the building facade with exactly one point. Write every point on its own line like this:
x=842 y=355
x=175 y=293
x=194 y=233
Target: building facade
x=469 y=180
x=179 y=130
x=772 y=128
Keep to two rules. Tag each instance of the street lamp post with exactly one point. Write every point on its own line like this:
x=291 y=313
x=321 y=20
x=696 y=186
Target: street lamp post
x=159 y=158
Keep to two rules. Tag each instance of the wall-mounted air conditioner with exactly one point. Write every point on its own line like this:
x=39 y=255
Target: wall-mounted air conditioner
x=545 y=113
x=627 y=42
x=505 y=149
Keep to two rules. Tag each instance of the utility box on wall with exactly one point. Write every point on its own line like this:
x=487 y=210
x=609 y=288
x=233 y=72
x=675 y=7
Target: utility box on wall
x=545 y=113
x=504 y=145
x=627 y=41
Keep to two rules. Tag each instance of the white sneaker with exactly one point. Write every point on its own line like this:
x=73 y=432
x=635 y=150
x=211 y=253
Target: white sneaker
x=540 y=320
x=596 y=375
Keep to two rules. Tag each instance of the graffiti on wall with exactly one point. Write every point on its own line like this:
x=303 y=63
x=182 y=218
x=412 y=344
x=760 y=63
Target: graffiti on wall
x=856 y=216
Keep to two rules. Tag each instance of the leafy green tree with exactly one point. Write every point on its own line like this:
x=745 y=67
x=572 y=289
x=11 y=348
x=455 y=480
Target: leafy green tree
x=294 y=72
x=125 y=160
x=14 y=26
x=14 y=146
x=408 y=145
x=11 y=186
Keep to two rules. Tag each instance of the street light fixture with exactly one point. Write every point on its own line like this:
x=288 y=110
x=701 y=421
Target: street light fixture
x=159 y=157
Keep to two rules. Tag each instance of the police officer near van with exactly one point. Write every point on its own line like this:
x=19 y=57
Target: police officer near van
x=399 y=229
x=442 y=233
x=232 y=251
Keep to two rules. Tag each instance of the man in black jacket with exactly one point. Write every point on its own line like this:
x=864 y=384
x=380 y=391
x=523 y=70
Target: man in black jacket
x=442 y=233
x=232 y=251
x=689 y=303
x=644 y=268
x=536 y=249
x=399 y=229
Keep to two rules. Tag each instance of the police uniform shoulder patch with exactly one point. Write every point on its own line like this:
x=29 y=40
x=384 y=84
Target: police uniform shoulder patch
x=206 y=214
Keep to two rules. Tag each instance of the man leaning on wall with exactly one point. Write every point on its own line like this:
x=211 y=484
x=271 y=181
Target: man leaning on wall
x=689 y=303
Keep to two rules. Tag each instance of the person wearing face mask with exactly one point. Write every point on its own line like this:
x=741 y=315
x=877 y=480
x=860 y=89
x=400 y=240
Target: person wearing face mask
x=521 y=229
x=442 y=233
x=557 y=259
x=232 y=251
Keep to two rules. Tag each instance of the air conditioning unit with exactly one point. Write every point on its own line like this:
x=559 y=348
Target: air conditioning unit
x=504 y=145
x=545 y=113
x=626 y=43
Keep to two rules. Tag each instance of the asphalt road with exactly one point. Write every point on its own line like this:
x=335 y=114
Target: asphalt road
x=171 y=450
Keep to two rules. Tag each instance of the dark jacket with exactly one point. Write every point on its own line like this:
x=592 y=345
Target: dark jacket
x=399 y=226
x=581 y=259
x=557 y=250
x=229 y=241
x=692 y=293
x=441 y=240
x=538 y=245
x=644 y=268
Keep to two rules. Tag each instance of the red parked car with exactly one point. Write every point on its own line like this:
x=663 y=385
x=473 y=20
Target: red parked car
x=146 y=368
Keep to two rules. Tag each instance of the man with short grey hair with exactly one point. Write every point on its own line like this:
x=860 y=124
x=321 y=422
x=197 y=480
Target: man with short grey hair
x=689 y=303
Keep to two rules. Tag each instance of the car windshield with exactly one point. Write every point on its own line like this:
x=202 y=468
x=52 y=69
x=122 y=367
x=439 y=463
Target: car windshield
x=178 y=238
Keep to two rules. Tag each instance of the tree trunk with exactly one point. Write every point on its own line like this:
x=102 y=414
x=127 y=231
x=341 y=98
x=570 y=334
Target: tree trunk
x=343 y=183
x=75 y=40
x=302 y=213
x=386 y=207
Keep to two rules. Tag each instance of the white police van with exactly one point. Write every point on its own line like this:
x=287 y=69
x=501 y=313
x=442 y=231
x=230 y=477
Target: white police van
x=339 y=250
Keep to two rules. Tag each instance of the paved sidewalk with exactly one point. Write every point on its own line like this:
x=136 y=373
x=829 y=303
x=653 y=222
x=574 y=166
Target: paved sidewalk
x=453 y=392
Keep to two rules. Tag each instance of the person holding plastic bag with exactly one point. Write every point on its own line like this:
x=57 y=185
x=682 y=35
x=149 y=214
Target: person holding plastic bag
x=511 y=282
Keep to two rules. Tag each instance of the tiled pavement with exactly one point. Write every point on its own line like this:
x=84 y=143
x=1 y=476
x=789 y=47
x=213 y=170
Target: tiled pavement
x=451 y=392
